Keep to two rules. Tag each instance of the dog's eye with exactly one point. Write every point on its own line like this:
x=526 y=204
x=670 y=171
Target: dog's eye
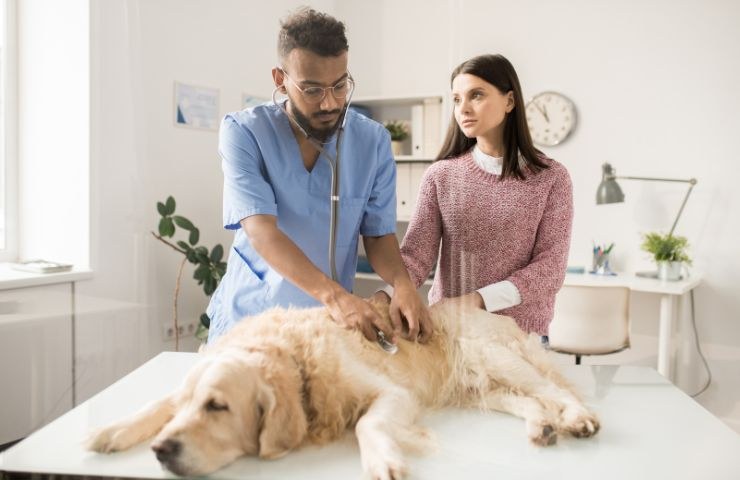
x=213 y=406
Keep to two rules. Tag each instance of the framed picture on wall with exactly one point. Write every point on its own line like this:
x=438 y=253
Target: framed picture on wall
x=196 y=107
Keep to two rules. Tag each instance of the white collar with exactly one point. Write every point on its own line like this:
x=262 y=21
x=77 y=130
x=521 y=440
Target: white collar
x=487 y=162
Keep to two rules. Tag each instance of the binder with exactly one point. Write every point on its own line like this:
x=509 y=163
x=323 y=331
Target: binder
x=432 y=130
x=417 y=130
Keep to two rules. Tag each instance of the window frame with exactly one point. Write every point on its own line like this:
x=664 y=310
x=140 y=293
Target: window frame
x=9 y=128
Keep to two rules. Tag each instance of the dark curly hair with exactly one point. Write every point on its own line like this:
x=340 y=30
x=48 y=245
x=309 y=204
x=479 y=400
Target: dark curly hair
x=314 y=31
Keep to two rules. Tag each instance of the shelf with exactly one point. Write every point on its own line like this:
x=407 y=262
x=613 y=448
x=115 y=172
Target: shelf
x=376 y=278
x=395 y=100
x=412 y=159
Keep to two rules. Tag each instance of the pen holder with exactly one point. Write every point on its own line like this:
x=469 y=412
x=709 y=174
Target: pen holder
x=600 y=265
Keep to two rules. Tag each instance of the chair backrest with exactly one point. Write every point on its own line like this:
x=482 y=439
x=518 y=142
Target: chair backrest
x=590 y=320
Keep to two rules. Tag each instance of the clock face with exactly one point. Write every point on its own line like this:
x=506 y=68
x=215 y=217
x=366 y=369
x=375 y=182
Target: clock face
x=551 y=117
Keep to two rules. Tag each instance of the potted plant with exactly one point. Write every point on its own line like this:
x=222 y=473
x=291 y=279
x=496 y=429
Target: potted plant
x=209 y=266
x=399 y=132
x=669 y=253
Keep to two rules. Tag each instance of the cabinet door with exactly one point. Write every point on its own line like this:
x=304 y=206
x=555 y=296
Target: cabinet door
x=404 y=199
x=416 y=174
x=36 y=358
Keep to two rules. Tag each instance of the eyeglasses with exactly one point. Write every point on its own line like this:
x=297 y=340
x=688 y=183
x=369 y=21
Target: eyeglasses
x=316 y=94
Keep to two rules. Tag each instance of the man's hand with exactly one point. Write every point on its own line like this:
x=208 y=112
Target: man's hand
x=409 y=315
x=352 y=312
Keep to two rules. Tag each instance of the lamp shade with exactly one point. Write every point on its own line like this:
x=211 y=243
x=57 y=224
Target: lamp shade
x=609 y=190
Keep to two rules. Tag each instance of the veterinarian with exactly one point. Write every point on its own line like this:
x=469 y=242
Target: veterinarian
x=277 y=163
x=502 y=209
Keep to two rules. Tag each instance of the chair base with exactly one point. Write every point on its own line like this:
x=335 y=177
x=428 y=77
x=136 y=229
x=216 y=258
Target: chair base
x=579 y=355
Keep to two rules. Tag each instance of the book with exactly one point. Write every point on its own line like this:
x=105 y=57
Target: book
x=41 y=266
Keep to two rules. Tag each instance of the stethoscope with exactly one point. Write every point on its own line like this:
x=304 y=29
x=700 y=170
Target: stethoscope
x=334 y=162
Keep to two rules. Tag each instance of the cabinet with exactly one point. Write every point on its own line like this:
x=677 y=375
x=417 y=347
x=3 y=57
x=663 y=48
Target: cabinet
x=426 y=122
x=426 y=119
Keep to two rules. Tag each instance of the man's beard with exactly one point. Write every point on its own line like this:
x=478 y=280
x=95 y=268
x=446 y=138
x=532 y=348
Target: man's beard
x=320 y=134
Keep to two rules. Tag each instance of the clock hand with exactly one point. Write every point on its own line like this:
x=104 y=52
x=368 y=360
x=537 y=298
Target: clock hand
x=543 y=111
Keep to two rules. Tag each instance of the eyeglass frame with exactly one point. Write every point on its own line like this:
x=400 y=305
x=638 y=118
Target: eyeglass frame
x=348 y=79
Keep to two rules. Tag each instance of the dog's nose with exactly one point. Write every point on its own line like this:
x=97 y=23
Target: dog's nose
x=167 y=450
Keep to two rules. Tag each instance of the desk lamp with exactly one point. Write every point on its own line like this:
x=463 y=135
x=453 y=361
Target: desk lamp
x=610 y=192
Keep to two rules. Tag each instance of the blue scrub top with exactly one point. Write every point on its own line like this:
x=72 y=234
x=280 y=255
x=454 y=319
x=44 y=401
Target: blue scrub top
x=264 y=174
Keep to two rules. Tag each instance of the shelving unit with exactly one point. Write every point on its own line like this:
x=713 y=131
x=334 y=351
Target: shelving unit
x=426 y=118
x=424 y=114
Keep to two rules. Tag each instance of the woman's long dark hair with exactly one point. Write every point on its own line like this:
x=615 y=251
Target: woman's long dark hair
x=499 y=72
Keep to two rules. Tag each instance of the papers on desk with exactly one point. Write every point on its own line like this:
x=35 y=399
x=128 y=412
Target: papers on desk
x=41 y=266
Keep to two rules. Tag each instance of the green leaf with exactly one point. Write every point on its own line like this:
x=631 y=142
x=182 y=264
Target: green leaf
x=217 y=253
x=170 y=205
x=210 y=286
x=183 y=222
x=671 y=248
x=205 y=320
x=166 y=227
x=161 y=209
x=194 y=236
x=202 y=272
x=191 y=256
x=183 y=245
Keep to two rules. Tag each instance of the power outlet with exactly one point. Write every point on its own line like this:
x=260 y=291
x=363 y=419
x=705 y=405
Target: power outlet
x=186 y=328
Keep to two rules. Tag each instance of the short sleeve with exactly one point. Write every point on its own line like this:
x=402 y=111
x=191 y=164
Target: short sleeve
x=247 y=189
x=380 y=212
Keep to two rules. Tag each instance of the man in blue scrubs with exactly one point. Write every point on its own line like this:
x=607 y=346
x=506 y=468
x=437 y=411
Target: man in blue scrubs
x=277 y=188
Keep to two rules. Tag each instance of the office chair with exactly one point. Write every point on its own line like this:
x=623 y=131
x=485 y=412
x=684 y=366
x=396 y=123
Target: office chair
x=590 y=321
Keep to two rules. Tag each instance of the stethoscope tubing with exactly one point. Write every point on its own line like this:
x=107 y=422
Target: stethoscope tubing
x=334 y=162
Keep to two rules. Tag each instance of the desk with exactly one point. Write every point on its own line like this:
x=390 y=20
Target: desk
x=650 y=430
x=669 y=293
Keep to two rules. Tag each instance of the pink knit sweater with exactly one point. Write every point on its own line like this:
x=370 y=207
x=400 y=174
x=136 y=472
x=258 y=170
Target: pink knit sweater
x=492 y=230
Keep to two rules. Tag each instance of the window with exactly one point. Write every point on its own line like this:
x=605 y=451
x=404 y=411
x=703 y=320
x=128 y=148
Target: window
x=8 y=129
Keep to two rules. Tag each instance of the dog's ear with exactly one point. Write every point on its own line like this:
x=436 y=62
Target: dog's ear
x=283 y=425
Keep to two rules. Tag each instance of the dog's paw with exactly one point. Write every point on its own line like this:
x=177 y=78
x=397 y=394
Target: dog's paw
x=542 y=435
x=391 y=468
x=580 y=423
x=107 y=440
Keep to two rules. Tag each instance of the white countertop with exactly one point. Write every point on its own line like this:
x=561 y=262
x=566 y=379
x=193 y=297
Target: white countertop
x=650 y=430
x=10 y=278
x=634 y=283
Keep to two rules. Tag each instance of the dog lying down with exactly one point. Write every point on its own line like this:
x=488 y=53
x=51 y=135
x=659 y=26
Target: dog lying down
x=285 y=378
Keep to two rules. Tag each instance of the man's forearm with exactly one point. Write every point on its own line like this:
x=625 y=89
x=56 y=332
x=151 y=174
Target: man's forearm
x=384 y=256
x=284 y=256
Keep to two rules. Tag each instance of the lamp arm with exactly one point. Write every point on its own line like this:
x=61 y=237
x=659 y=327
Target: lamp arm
x=683 y=204
x=690 y=181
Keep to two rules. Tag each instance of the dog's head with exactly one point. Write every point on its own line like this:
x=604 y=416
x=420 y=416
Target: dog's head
x=233 y=404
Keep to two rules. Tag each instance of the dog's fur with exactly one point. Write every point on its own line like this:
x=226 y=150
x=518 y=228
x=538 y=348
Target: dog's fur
x=289 y=377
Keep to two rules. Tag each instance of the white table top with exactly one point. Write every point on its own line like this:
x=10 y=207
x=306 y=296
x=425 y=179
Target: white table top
x=634 y=283
x=650 y=430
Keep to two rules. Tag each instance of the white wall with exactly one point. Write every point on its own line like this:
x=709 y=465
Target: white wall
x=655 y=86
x=138 y=50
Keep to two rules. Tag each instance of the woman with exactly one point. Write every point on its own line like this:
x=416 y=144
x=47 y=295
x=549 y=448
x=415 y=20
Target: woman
x=502 y=210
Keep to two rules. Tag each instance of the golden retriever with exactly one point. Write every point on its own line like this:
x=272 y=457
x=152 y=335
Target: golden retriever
x=288 y=377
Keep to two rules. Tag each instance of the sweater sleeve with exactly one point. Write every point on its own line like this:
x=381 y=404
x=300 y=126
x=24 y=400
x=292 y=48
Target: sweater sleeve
x=545 y=273
x=420 y=246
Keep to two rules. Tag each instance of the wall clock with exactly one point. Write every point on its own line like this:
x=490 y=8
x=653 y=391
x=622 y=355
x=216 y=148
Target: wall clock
x=551 y=117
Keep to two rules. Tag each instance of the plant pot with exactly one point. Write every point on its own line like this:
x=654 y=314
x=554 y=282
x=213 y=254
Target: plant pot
x=396 y=147
x=670 y=271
